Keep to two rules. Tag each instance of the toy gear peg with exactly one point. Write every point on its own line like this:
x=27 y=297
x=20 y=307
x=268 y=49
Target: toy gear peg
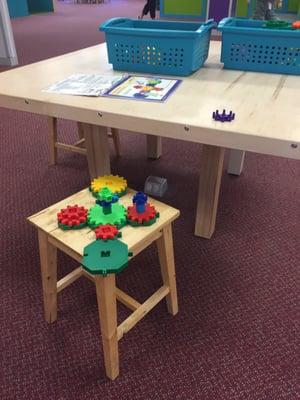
x=140 y=200
x=223 y=117
x=105 y=198
x=141 y=213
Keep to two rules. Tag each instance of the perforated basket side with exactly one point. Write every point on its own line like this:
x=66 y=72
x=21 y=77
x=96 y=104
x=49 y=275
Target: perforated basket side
x=261 y=54
x=246 y=45
x=168 y=51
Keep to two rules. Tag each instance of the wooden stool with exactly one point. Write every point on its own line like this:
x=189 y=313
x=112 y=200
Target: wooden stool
x=77 y=147
x=73 y=242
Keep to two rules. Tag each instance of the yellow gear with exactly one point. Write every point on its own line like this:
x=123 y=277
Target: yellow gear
x=115 y=183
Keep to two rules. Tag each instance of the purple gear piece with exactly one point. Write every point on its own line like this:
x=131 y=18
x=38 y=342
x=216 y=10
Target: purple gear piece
x=223 y=117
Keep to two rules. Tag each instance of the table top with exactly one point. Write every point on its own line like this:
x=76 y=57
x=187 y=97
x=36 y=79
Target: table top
x=76 y=240
x=267 y=106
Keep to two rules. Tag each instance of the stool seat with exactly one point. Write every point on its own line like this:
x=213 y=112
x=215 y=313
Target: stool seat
x=76 y=240
x=133 y=240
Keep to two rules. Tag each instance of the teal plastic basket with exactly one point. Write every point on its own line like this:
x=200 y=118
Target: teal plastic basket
x=248 y=46
x=159 y=47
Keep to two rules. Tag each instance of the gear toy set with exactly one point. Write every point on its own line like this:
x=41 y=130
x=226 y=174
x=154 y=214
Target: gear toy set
x=108 y=254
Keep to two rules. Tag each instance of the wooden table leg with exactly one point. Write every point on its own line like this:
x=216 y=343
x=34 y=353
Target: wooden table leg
x=97 y=146
x=48 y=259
x=167 y=265
x=154 y=146
x=236 y=162
x=209 y=188
x=107 y=308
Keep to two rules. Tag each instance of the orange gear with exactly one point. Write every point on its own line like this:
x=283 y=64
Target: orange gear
x=296 y=25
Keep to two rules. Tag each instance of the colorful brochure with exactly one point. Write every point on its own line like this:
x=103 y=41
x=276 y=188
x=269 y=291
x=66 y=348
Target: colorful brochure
x=119 y=86
x=144 y=88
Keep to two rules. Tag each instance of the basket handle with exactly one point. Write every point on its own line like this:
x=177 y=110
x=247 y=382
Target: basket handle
x=224 y=22
x=111 y=22
x=208 y=25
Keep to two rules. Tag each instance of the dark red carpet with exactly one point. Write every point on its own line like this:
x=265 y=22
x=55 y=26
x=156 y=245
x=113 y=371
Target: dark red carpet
x=236 y=336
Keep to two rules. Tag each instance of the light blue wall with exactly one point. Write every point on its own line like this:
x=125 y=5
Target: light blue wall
x=21 y=8
x=17 y=8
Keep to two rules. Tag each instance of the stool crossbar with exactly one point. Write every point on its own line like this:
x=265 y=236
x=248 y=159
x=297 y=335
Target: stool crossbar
x=79 y=145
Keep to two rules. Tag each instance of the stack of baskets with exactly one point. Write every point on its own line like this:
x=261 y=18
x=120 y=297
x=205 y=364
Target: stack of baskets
x=181 y=48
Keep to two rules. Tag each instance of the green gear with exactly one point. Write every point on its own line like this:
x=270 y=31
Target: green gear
x=105 y=257
x=278 y=25
x=117 y=217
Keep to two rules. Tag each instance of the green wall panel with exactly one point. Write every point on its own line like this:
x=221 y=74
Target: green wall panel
x=186 y=7
x=242 y=8
x=293 y=5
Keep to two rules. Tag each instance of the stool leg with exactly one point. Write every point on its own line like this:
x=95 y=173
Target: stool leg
x=154 y=147
x=48 y=259
x=167 y=265
x=107 y=309
x=80 y=130
x=116 y=138
x=52 y=129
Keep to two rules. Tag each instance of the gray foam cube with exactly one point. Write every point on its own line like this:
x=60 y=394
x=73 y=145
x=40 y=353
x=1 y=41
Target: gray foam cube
x=156 y=186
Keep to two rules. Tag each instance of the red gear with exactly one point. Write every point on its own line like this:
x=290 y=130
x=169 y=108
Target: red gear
x=106 y=232
x=72 y=215
x=146 y=216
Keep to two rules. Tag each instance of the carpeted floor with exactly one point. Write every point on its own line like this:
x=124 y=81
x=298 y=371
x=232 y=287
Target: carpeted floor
x=236 y=336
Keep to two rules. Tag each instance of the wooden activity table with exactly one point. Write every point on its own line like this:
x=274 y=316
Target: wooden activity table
x=267 y=108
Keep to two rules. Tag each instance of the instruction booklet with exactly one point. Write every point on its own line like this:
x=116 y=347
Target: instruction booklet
x=85 y=85
x=144 y=88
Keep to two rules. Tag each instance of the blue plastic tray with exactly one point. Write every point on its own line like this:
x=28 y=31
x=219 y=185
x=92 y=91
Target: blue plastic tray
x=161 y=47
x=248 y=46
